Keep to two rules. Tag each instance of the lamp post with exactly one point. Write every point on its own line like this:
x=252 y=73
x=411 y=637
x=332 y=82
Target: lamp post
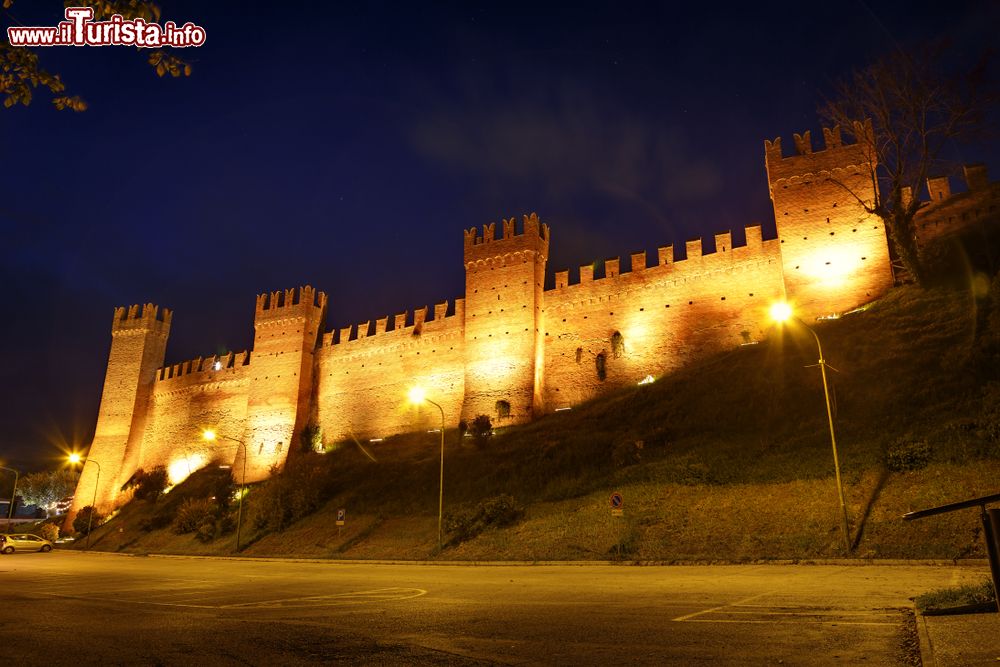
x=782 y=312
x=76 y=458
x=13 y=494
x=418 y=396
x=211 y=436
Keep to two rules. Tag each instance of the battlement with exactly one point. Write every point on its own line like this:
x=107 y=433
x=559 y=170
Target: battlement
x=295 y=302
x=695 y=260
x=834 y=154
x=206 y=367
x=977 y=180
x=419 y=323
x=534 y=237
x=151 y=319
x=947 y=212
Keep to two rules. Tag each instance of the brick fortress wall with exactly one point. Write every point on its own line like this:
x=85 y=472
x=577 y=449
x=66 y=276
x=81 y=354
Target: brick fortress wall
x=508 y=340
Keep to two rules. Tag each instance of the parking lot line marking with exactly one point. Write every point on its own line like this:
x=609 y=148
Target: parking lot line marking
x=789 y=621
x=354 y=597
x=731 y=604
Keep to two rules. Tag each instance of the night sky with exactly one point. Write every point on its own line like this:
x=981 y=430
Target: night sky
x=347 y=145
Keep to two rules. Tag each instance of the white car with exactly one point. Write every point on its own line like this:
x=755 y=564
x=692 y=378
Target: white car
x=25 y=542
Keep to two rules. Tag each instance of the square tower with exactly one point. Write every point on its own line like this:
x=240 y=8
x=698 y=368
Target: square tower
x=504 y=279
x=835 y=255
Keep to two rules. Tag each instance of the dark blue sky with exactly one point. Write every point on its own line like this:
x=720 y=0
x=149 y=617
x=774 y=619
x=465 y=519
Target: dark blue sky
x=347 y=146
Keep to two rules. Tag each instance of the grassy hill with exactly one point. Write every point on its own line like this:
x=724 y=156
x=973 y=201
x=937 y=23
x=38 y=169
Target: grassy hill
x=734 y=461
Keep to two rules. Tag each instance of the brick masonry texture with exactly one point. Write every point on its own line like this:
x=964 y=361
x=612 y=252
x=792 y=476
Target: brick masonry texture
x=509 y=349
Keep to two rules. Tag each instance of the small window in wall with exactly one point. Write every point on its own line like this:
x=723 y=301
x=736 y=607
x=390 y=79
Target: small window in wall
x=579 y=354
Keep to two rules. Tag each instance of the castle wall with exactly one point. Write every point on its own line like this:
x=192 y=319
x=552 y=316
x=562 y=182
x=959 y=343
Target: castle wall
x=287 y=329
x=186 y=400
x=363 y=378
x=138 y=343
x=668 y=315
x=947 y=213
x=835 y=255
x=508 y=342
x=504 y=282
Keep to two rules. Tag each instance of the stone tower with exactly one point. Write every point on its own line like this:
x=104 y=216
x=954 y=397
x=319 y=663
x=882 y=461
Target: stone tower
x=835 y=255
x=138 y=343
x=286 y=329
x=504 y=279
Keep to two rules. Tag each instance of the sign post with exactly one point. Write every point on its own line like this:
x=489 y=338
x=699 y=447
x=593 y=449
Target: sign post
x=341 y=520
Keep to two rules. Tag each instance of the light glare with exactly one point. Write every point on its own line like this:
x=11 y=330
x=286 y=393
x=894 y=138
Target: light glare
x=417 y=395
x=781 y=311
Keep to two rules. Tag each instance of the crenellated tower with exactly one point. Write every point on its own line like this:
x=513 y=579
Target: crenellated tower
x=504 y=279
x=835 y=255
x=138 y=343
x=286 y=330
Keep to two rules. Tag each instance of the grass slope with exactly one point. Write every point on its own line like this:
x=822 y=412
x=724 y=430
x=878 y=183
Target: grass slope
x=735 y=461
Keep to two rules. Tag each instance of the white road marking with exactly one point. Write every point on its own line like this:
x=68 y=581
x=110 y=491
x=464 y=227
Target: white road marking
x=731 y=604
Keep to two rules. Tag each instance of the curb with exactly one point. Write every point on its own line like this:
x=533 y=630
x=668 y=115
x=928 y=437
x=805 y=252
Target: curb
x=926 y=648
x=846 y=562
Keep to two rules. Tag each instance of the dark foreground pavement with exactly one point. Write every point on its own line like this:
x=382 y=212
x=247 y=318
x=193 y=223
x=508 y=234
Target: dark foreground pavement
x=78 y=608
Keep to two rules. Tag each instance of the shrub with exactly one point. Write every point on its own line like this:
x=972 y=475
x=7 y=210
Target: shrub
x=192 y=513
x=503 y=409
x=223 y=488
x=627 y=453
x=497 y=511
x=206 y=531
x=287 y=496
x=482 y=430
x=311 y=439
x=49 y=531
x=905 y=454
x=87 y=516
x=150 y=485
x=161 y=519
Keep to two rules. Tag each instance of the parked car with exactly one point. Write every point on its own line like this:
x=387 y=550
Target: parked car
x=25 y=542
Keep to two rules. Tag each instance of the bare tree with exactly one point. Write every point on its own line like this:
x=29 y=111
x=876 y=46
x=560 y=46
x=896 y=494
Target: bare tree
x=917 y=111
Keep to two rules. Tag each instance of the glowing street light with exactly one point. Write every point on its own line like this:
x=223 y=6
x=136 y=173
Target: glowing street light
x=781 y=312
x=75 y=459
x=211 y=436
x=418 y=396
x=13 y=494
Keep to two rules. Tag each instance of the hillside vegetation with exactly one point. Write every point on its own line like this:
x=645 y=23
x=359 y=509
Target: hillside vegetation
x=728 y=460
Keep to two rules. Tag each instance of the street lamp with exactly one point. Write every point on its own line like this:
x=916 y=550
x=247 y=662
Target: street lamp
x=75 y=458
x=418 y=396
x=211 y=436
x=781 y=312
x=13 y=494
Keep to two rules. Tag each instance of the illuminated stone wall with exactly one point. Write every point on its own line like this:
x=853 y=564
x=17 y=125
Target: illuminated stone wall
x=508 y=343
x=654 y=319
x=138 y=343
x=365 y=372
x=835 y=255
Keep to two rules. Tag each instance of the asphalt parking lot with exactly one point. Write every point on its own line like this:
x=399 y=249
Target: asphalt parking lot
x=81 y=608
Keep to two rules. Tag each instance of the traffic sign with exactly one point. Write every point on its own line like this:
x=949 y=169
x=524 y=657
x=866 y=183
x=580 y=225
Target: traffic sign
x=341 y=514
x=616 y=500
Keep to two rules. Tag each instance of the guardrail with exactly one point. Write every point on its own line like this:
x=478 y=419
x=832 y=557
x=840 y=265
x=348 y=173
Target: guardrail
x=991 y=530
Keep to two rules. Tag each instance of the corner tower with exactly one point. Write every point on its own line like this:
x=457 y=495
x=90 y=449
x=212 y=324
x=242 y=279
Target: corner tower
x=286 y=330
x=138 y=343
x=835 y=255
x=504 y=279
